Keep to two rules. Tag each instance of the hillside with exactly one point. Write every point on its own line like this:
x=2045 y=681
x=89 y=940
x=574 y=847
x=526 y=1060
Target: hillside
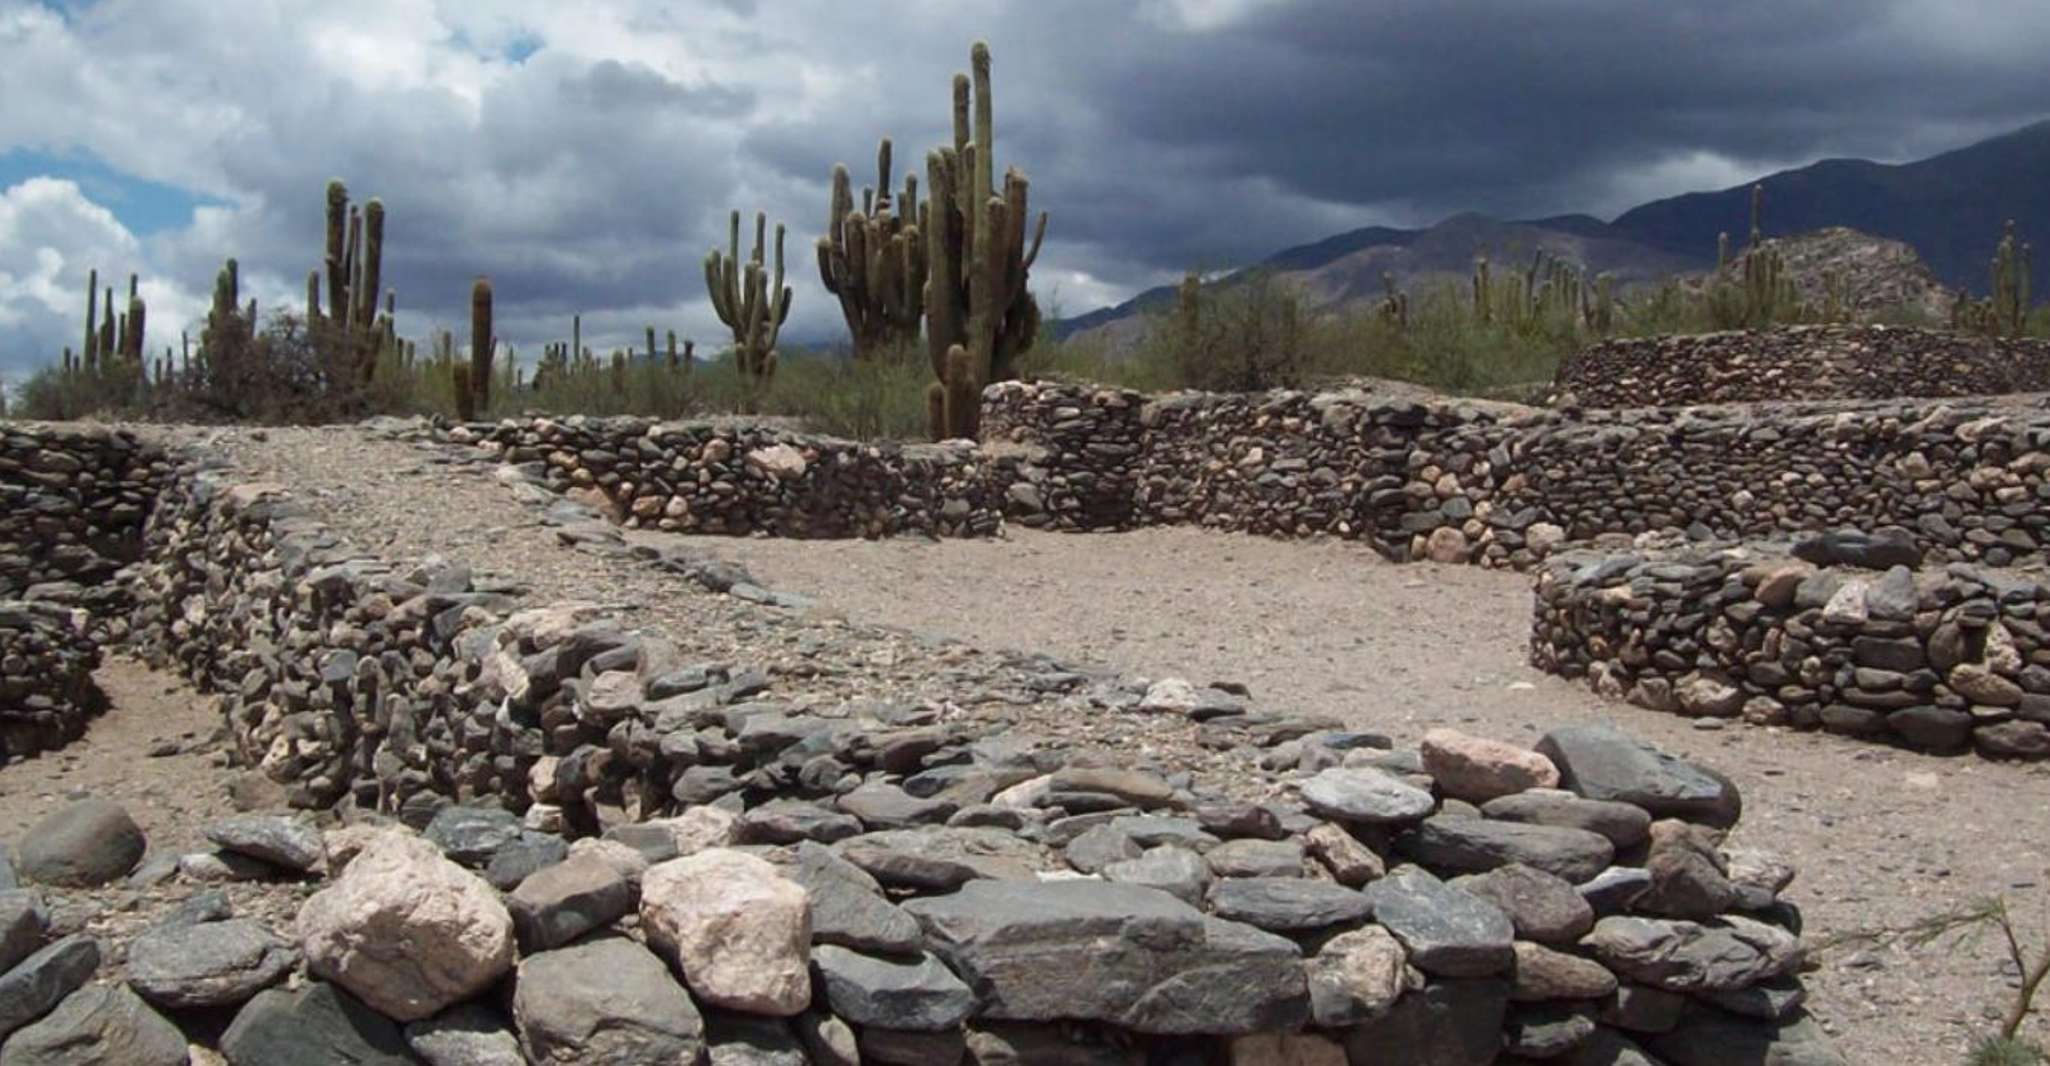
x=1937 y=220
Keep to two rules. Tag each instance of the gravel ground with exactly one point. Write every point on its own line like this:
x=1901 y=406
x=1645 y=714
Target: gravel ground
x=1882 y=837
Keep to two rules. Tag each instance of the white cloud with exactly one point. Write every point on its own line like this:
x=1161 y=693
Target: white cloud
x=51 y=237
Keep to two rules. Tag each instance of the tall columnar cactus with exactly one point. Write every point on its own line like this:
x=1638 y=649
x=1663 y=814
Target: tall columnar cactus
x=1769 y=292
x=750 y=304
x=2010 y=268
x=874 y=260
x=1483 y=294
x=89 y=355
x=132 y=348
x=977 y=295
x=481 y=343
x=1757 y=213
x=1394 y=307
x=354 y=260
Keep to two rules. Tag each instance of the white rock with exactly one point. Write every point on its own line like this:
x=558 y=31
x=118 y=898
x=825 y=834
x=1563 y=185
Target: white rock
x=739 y=931
x=406 y=930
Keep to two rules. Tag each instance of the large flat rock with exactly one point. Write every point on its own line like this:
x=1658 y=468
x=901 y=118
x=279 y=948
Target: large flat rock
x=1132 y=956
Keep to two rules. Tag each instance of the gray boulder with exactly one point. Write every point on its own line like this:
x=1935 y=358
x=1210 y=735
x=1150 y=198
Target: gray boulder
x=1541 y=906
x=917 y=994
x=319 y=1025
x=733 y=1039
x=1131 y=956
x=1286 y=904
x=1446 y=1023
x=1177 y=871
x=82 y=844
x=286 y=843
x=1476 y=845
x=847 y=905
x=1729 y=953
x=98 y=1025
x=1602 y=763
x=38 y=983
x=1712 y=1038
x=556 y=905
x=472 y=835
x=209 y=964
x=604 y=1000
x=1449 y=933
x=23 y=925
x=1624 y=824
x=1363 y=794
x=9 y=879
x=467 y=1034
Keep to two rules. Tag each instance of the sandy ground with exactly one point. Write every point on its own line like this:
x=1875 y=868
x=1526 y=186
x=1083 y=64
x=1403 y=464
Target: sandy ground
x=1882 y=837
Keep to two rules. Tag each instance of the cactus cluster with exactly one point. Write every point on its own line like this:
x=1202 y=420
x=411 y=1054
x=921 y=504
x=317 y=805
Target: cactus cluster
x=748 y=302
x=874 y=260
x=354 y=262
x=111 y=337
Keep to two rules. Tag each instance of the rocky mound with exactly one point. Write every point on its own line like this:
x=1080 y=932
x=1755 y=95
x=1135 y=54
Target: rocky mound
x=1453 y=903
x=1834 y=362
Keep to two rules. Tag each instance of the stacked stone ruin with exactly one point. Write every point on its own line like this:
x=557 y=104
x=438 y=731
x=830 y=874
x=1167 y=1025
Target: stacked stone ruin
x=592 y=801
x=1811 y=362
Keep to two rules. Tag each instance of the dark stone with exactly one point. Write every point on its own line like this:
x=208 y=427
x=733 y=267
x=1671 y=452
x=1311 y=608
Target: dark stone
x=1543 y=907
x=563 y=902
x=1286 y=904
x=916 y=994
x=604 y=999
x=287 y=843
x=847 y=905
x=1134 y=957
x=1878 y=550
x=1929 y=728
x=1477 y=845
x=1448 y=932
x=38 y=983
x=82 y=844
x=1446 y=1023
x=209 y=964
x=319 y=1025
x=1623 y=824
x=472 y=835
x=1712 y=1038
x=467 y=1034
x=1600 y=762
x=98 y=1025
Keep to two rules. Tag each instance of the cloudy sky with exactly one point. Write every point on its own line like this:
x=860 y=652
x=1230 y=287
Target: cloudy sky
x=584 y=155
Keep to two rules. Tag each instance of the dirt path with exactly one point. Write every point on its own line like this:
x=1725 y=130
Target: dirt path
x=170 y=793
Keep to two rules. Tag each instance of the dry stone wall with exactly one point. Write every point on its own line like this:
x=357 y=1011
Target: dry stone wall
x=1830 y=362
x=47 y=658
x=878 y=878
x=1943 y=659
x=740 y=478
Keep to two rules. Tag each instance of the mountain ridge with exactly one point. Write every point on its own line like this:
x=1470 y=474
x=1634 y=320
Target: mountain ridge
x=1949 y=208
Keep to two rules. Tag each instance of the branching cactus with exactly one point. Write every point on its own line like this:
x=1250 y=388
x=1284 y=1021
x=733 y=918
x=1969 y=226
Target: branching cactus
x=977 y=295
x=751 y=305
x=874 y=260
x=354 y=261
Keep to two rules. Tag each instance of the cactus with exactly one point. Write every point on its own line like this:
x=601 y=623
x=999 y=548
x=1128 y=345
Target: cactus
x=465 y=391
x=354 y=260
x=2010 y=269
x=1394 y=307
x=1768 y=290
x=132 y=347
x=88 y=355
x=1757 y=212
x=874 y=260
x=747 y=301
x=481 y=343
x=978 y=264
x=1483 y=296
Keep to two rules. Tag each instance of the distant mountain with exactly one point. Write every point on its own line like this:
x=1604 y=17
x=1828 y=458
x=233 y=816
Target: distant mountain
x=1948 y=209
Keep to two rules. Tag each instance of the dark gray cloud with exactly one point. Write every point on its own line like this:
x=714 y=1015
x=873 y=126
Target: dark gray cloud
x=593 y=174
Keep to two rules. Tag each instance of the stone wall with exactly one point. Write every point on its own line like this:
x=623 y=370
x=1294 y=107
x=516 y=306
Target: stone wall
x=47 y=658
x=72 y=506
x=739 y=478
x=1832 y=362
x=1942 y=659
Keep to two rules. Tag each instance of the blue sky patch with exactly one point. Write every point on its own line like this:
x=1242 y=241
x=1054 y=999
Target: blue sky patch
x=145 y=207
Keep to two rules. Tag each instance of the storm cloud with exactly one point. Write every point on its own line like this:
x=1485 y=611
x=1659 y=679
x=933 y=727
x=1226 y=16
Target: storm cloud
x=585 y=156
